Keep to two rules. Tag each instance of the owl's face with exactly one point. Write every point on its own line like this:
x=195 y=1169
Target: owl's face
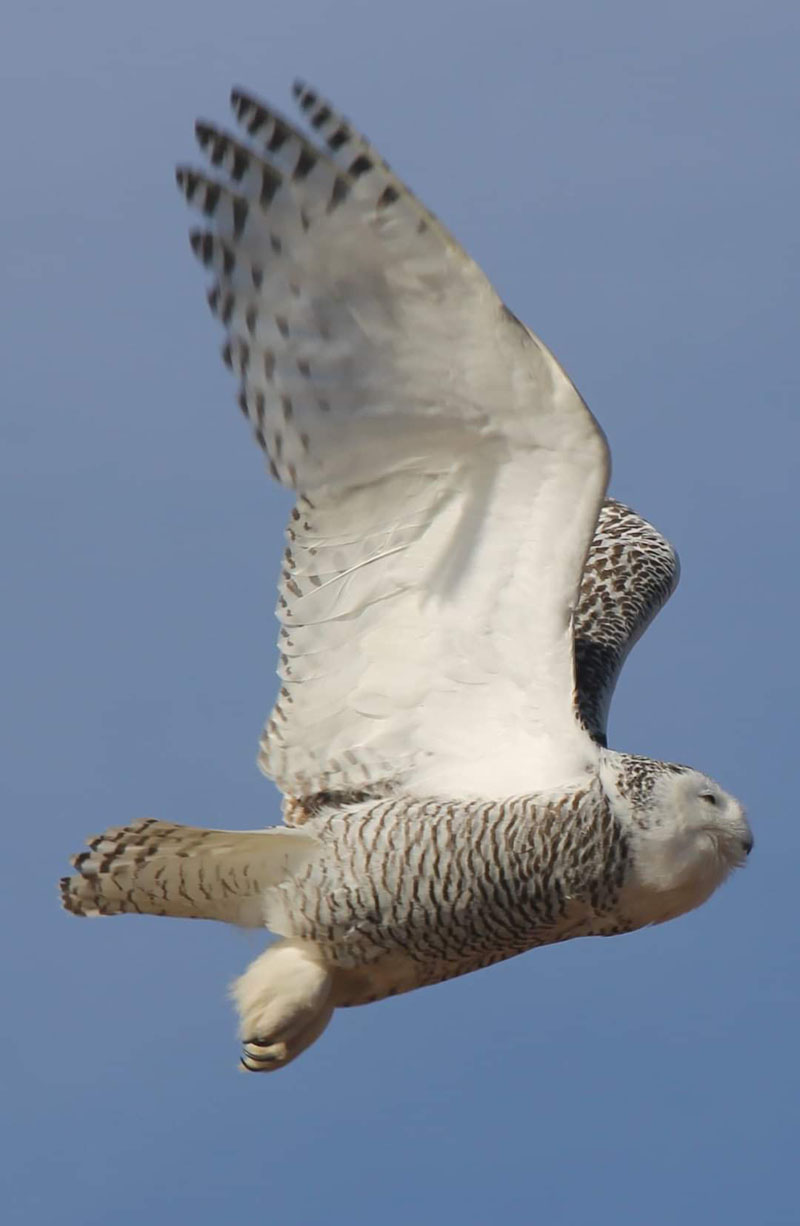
x=694 y=836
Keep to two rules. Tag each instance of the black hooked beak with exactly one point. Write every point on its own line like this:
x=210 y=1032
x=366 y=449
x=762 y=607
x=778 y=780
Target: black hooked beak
x=747 y=844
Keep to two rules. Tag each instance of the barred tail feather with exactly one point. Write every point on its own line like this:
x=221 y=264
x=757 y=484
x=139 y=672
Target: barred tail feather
x=157 y=868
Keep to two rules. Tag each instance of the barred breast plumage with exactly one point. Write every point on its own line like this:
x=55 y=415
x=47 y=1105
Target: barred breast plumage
x=451 y=888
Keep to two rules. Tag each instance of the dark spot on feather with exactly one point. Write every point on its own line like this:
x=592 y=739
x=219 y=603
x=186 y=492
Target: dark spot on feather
x=321 y=117
x=240 y=164
x=339 y=192
x=305 y=164
x=338 y=138
x=270 y=182
x=213 y=191
x=188 y=180
x=257 y=121
x=240 y=211
x=361 y=165
x=279 y=136
x=388 y=196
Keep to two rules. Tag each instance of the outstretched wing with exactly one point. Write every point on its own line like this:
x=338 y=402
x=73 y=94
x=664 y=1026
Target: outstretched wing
x=449 y=476
x=630 y=573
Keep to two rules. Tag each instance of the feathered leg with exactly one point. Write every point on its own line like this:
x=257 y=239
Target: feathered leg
x=284 y=1004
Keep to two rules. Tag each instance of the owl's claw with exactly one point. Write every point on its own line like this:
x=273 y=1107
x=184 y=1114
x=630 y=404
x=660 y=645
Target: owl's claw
x=262 y=1056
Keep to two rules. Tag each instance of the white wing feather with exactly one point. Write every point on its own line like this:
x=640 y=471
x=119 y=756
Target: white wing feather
x=450 y=478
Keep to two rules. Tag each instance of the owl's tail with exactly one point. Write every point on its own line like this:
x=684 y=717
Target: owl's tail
x=157 y=868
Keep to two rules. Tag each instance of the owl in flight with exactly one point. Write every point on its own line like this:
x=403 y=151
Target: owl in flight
x=456 y=602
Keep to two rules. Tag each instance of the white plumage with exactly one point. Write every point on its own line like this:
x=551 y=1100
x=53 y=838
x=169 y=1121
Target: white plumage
x=447 y=648
x=443 y=526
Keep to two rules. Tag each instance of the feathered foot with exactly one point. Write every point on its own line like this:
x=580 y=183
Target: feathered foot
x=284 y=1003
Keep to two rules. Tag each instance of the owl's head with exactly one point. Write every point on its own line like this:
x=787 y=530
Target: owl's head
x=702 y=827
x=687 y=835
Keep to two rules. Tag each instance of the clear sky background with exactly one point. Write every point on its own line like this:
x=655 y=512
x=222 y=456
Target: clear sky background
x=627 y=174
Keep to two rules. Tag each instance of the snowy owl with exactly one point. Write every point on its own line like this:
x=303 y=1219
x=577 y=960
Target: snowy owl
x=456 y=602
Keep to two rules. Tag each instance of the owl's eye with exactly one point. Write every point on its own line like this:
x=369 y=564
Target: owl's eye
x=708 y=797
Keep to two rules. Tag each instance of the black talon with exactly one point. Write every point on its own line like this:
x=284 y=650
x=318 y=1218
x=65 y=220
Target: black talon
x=263 y=1061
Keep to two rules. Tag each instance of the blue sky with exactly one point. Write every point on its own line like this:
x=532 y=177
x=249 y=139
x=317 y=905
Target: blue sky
x=627 y=175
